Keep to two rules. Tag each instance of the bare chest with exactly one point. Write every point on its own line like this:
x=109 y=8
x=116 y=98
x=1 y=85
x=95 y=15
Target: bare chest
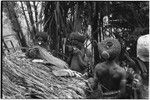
x=114 y=72
x=111 y=78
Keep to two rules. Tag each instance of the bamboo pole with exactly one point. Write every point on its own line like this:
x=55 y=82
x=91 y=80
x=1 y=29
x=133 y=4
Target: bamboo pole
x=25 y=19
x=36 y=14
x=31 y=20
x=15 y=24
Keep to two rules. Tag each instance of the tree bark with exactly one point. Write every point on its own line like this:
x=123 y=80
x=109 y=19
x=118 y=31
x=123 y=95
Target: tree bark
x=15 y=24
x=57 y=20
x=25 y=17
x=94 y=29
x=31 y=20
x=36 y=14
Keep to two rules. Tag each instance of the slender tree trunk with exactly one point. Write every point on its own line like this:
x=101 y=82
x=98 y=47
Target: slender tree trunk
x=57 y=19
x=25 y=18
x=39 y=24
x=46 y=27
x=31 y=20
x=75 y=17
x=94 y=29
x=36 y=14
x=15 y=24
x=65 y=15
x=101 y=22
x=48 y=21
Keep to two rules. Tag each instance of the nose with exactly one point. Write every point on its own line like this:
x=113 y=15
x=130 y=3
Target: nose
x=105 y=55
x=39 y=43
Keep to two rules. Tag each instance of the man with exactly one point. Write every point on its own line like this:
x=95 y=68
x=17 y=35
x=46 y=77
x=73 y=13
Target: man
x=109 y=74
x=77 y=60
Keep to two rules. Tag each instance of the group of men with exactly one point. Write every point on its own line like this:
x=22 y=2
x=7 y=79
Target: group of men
x=109 y=74
x=112 y=76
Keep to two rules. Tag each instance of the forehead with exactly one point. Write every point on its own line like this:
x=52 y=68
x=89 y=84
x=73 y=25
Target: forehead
x=113 y=43
x=109 y=41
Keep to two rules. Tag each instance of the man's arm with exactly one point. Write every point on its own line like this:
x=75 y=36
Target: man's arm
x=95 y=85
x=81 y=61
x=123 y=82
x=98 y=71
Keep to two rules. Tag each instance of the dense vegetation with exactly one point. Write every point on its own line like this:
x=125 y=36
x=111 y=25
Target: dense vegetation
x=55 y=21
x=124 y=20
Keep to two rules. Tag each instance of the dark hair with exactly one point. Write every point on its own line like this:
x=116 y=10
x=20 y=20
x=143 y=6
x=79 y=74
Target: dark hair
x=77 y=44
x=78 y=37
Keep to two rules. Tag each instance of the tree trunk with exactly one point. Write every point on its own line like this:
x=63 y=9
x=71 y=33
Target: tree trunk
x=31 y=20
x=57 y=20
x=36 y=14
x=39 y=24
x=15 y=24
x=25 y=18
x=94 y=29
x=64 y=17
x=48 y=12
x=101 y=22
x=75 y=18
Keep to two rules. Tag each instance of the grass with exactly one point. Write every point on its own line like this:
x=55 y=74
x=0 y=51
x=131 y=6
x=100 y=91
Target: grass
x=22 y=79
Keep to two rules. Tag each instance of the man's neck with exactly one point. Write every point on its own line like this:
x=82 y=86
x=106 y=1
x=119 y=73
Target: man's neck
x=110 y=62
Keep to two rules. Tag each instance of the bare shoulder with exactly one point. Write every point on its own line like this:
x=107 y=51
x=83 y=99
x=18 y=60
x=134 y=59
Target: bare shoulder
x=99 y=70
x=121 y=71
x=100 y=67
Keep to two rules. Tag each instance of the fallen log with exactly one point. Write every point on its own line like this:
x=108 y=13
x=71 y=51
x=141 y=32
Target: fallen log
x=45 y=55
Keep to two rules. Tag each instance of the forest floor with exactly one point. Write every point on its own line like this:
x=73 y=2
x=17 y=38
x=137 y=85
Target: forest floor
x=22 y=79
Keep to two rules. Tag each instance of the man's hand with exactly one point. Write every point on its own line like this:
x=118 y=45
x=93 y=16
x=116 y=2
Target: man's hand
x=137 y=81
x=76 y=50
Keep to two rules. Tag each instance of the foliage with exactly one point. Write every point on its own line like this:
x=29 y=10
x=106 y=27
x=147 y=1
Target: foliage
x=11 y=13
x=132 y=19
x=64 y=17
x=126 y=21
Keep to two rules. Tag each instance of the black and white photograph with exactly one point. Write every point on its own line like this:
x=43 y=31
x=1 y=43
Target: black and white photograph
x=74 y=49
